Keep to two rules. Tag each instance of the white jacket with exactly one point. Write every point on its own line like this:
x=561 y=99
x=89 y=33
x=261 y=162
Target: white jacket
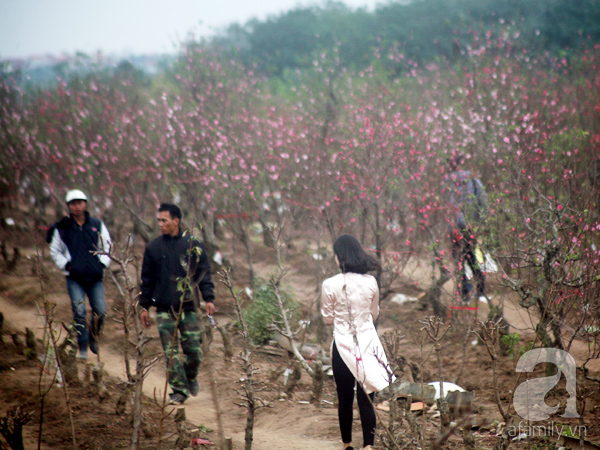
x=351 y=302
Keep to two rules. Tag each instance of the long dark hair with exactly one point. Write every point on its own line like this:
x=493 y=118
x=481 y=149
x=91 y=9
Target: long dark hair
x=351 y=255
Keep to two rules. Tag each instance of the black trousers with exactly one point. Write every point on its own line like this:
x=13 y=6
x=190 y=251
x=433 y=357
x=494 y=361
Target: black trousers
x=463 y=252
x=345 y=382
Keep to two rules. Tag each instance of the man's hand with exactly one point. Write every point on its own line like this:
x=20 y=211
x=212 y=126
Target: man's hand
x=210 y=308
x=145 y=316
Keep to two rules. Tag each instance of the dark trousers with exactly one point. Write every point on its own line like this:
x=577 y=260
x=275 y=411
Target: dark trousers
x=345 y=382
x=463 y=252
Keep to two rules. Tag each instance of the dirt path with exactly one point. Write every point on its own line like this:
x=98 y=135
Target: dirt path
x=292 y=428
x=290 y=424
x=523 y=321
x=297 y=426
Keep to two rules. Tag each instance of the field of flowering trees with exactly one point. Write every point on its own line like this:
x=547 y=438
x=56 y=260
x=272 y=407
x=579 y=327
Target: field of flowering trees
x=329 y=151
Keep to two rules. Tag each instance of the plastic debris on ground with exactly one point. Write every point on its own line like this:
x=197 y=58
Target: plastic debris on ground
x=199 y=441
x=448 y=387
x=402 y=298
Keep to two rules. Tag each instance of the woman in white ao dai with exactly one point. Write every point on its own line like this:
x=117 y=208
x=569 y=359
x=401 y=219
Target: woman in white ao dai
x=350 y=301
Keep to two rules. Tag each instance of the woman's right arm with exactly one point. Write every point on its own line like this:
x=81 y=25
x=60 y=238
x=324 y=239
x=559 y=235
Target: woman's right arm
x=375 y=301
x=327 y=304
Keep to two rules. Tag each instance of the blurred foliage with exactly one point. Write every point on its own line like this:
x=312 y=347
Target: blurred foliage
x=422 y=30
x=409 y=32
x=263 y=312
x=303 y=122
x=510 y=342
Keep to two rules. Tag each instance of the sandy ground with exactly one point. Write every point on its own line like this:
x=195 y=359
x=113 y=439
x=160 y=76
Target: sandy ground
x=289 y=424
x=297 y=426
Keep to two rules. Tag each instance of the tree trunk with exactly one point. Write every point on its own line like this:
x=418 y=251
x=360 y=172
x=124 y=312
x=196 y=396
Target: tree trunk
x=11 y=427
x=246 y=243
x=228 y=348
x=249 y=435
x=293 y=379
x=317 y=390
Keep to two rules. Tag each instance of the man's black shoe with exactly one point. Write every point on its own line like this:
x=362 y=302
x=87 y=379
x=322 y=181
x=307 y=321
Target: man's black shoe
x=177 y=398
x=194 y=387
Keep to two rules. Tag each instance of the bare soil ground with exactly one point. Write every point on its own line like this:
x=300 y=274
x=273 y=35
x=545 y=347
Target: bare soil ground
x=289 y=423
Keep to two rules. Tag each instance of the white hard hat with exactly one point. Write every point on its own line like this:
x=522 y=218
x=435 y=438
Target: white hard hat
x=75 y=194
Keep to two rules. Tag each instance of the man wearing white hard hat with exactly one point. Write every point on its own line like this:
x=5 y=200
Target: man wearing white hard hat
x=72 y=242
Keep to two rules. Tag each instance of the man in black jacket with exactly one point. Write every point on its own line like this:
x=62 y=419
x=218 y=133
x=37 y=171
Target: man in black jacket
x=73 y=241
x=175 y=270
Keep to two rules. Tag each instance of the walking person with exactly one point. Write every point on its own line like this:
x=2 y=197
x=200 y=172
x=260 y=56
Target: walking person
x=169 y=259
x=73 y=241
x=350 y=301
x=468 y=204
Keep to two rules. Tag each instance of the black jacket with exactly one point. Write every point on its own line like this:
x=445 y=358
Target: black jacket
x=165 y=263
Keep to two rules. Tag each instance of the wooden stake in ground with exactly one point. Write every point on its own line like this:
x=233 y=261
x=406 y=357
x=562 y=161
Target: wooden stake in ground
x=249 y=384
x=317 y=391
x=183 y=435
x=11 y=427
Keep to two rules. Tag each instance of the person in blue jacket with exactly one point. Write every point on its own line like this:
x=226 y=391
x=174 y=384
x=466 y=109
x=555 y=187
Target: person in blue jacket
x=73 y=241
x=468 y=205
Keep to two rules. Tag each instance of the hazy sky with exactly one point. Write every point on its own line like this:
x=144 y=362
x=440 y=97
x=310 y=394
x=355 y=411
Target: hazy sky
x=38 y=27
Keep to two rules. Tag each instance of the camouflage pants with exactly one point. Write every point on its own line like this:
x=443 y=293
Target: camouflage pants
x=190 y=338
